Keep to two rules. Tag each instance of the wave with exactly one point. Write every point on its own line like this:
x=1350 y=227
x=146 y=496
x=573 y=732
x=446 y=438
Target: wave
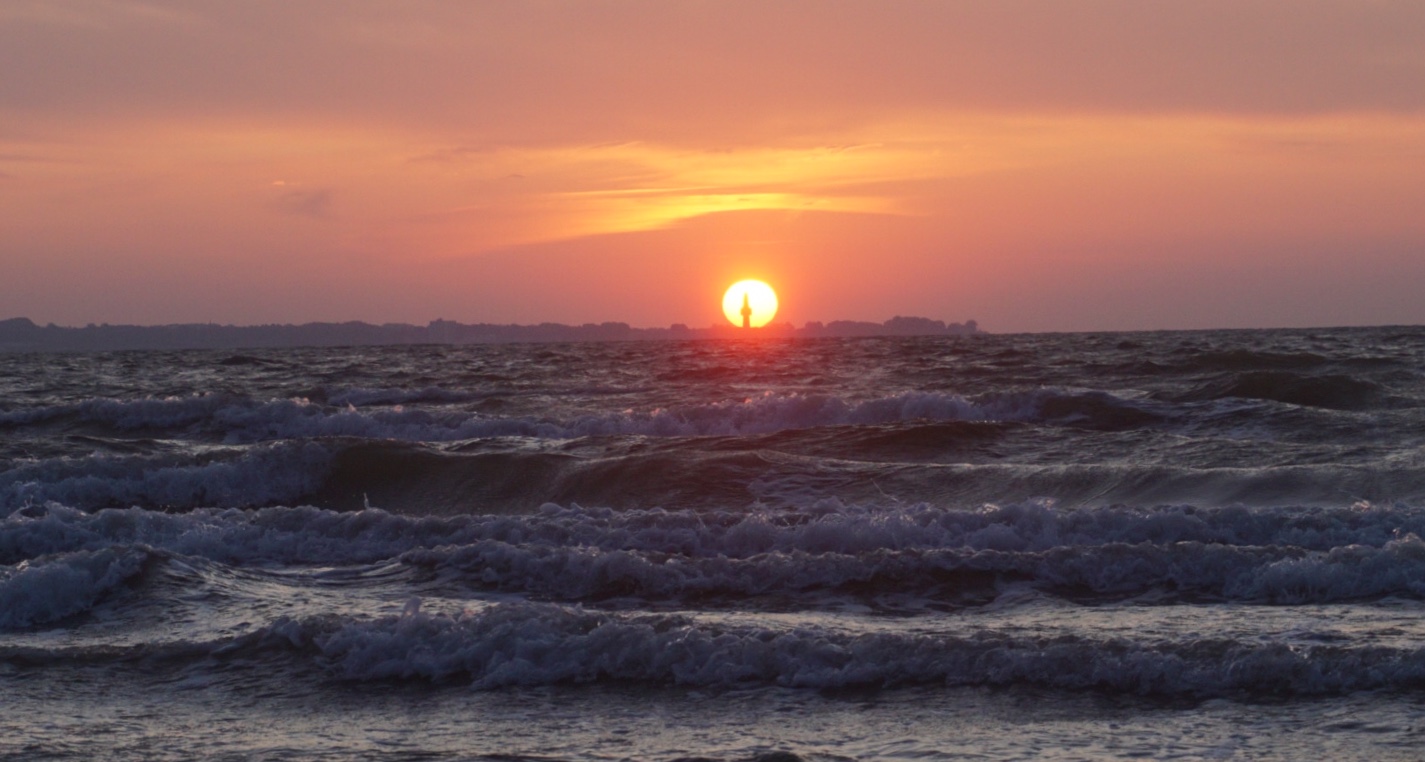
x=594 y=554
x=365 y=397
x=1251 y=359
x=313 y=535
x=958 y=464
x=52 y=588
x=532 y=644
x=791 y=468
x=150 y=413
x=240 y=359
x=1334 y=392
x=1281 y=575
x=527 y=644
x=265 y=475
x=236 y=420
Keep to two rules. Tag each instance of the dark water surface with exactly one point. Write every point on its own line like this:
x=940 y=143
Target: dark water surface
x=1077 y=546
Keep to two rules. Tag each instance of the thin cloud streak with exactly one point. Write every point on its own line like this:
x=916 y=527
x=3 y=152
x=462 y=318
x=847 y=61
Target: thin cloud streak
x=315 y=203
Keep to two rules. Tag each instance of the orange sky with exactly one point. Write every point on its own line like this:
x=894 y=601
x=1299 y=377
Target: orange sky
x=1055 y=165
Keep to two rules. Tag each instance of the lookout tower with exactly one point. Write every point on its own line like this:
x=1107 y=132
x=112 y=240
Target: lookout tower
x=746 y=312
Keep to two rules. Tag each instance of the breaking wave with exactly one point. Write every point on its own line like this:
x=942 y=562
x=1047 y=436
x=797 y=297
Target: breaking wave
x=533 y=644
x=277 y=473
x=530 y=644
x=236 y=420
x=50 y=588
x=578 y=554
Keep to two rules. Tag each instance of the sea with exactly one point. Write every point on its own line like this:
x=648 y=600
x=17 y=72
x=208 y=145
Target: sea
x=1162 y=545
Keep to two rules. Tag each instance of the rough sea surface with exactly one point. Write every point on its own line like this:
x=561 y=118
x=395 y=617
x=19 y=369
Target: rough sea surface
x=1193 y=545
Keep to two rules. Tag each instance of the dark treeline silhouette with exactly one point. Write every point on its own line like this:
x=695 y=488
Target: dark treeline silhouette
x=23 y=335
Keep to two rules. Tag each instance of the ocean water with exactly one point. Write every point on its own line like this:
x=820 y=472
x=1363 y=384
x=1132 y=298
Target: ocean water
x=1185 y=545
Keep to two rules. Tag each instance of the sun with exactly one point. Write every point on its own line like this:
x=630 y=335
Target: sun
x=750 y=303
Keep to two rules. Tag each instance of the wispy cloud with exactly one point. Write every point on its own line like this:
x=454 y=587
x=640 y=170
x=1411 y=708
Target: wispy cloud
x=931 y=142
x=315 y=203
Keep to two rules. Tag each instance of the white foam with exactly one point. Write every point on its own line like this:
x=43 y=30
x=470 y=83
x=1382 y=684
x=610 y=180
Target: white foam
x=278 y=473
x=574 y=553
x=1342 y=573
x=242 y=420
x=165 y=412
x=537 y=644
x=47 y=589
x=363 y=396
x=1273 y=574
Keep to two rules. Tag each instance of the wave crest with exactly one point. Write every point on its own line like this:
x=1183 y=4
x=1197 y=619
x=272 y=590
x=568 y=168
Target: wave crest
x=52 y=588
x=238 y=420
x=533 y=644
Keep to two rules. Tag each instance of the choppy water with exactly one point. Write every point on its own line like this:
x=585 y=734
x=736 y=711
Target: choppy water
x=1189 y=544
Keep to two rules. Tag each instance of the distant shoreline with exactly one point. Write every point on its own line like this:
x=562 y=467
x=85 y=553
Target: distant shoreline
x=24 y=335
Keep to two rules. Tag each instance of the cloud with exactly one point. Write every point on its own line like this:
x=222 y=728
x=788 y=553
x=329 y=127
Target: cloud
x=691 y=72
x=315 y=203
x=898 y=136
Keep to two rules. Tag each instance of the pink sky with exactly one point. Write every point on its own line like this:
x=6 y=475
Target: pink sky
x=1036 y=166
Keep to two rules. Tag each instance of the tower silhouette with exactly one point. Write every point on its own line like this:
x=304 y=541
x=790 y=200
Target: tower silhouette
x=746 y=311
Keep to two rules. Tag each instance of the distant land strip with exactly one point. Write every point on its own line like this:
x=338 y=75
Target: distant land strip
x=24 y=335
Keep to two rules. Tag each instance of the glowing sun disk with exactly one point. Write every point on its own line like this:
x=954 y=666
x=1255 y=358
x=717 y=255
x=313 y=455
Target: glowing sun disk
x=750 y=303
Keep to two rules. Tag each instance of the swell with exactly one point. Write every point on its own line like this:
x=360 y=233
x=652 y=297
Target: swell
x=49 y=589
x=234 y=419
x=282 y=472
x=853 y=464
x=1334 y=391
x=1178 y=571
x=1252 y=359
x=574 y=554
x=777 y=472
x=417 y=480
x=527 y=644
x=309 y=535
